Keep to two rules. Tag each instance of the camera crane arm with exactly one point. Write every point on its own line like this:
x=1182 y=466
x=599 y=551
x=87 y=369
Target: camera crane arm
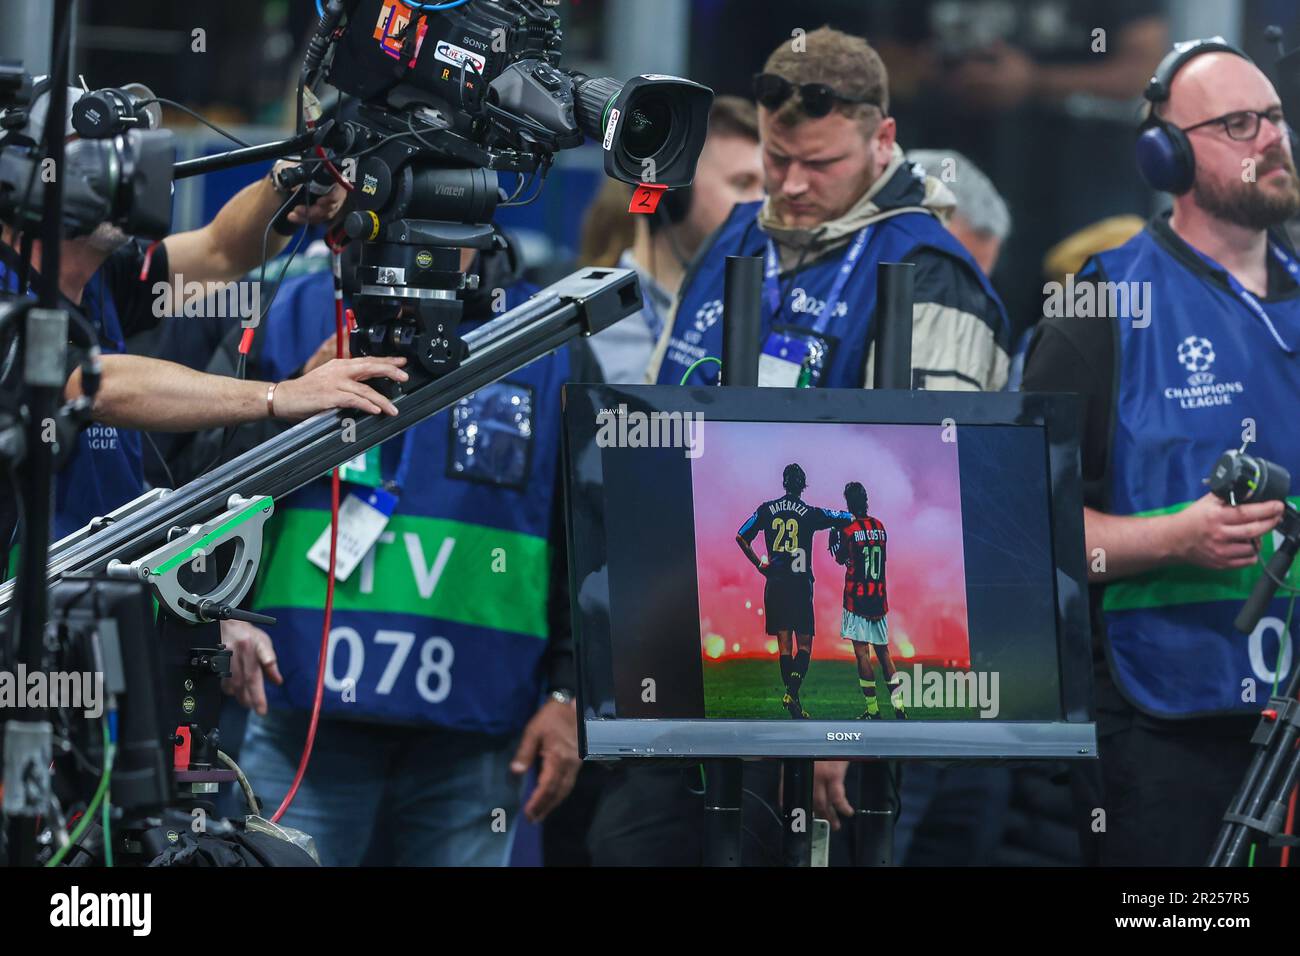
x=585 y=302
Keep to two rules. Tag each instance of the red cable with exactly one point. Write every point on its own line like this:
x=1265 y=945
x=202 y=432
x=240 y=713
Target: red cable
x=148 y=260
x=329 y=605
x=333 y=171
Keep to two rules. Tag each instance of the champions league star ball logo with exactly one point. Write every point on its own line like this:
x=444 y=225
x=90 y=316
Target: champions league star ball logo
x=705 y=318
x=1196 y=354
x=708 y=314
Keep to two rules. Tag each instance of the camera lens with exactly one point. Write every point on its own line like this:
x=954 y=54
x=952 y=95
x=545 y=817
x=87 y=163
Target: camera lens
x=651 y=128
x=648 y=126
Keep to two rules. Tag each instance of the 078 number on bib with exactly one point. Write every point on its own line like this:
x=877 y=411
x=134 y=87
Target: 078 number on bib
x=432 y=675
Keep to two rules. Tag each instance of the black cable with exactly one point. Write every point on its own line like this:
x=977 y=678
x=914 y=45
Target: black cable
x=541 y=184
x=302 y=234
x=228 y=433
x=773 y=859
x=1259 y=559
x=766 y=806
x=185 y=109
x=171 y=479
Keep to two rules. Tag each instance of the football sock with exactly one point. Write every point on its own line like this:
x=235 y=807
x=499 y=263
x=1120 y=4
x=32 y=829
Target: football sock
x=786 y=662
x=895 y=691
x=869 y=692
x=799 y=670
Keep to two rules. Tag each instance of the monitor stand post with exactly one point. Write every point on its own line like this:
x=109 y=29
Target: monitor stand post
x=797 y=812
x=874 y=784
x=722 y=801
x=741 y=325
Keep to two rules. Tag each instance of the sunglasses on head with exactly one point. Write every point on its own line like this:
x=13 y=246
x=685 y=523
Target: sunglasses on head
x=817 y=99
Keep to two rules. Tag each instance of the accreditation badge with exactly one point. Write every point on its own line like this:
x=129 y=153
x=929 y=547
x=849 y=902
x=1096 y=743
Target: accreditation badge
x=794 y=357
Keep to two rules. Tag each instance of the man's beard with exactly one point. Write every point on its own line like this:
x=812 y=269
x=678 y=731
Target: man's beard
x=107 y=238
x=1246 y=203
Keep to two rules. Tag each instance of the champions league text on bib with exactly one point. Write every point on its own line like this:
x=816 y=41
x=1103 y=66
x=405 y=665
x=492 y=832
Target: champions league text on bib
x=1205 y=367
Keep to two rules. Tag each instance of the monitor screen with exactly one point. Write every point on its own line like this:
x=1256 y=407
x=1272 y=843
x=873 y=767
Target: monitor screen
x=811 y=572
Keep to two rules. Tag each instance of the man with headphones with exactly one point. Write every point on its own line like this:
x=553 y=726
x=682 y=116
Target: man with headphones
x=1210 y=363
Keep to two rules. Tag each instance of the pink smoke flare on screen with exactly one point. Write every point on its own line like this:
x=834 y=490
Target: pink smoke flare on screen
x=913 y=486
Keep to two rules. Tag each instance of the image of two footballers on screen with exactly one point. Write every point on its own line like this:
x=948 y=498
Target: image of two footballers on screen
x=858 y=542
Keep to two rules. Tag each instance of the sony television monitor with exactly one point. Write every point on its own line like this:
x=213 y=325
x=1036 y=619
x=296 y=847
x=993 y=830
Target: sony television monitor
x=760 y=572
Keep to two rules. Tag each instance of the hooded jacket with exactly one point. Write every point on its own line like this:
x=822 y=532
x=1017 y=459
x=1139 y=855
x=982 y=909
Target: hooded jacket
x=961 y=337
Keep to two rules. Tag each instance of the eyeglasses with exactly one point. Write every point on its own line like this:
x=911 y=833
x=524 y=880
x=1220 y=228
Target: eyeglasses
x=817 y=99
x=1243 y=125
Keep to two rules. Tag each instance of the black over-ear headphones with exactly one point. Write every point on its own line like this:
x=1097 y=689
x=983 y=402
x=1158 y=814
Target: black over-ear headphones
x=1164 y=153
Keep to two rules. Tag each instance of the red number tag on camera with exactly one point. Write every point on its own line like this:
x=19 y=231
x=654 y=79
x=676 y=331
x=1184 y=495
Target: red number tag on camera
x=646 y=198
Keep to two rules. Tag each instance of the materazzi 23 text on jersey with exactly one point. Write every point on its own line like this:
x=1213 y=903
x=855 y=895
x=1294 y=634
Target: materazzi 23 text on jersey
x=788 y=525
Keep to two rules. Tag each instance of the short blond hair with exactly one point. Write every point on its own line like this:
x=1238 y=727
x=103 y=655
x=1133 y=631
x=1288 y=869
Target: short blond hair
x=844 y=62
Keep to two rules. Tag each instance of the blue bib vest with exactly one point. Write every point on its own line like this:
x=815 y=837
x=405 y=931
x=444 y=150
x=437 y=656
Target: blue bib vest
x=106 y=469
x=445 y=621
x=1201 y=375
x=697 y=329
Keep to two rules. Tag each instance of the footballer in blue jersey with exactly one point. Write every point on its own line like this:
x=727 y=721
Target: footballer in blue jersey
x=788 y=524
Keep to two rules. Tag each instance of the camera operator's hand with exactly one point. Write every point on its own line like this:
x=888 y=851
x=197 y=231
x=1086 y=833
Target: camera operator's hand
x=1213 y=534
x=829 y=795
x=339 y=383
x=322 y=209
x=327 y=352
x=252 y=656
x=552 y=736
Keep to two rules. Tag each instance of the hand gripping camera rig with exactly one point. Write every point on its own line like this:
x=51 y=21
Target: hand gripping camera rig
x=1258 y=810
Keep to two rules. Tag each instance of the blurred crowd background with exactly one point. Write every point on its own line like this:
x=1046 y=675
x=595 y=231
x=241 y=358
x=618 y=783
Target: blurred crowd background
x=1042 y=95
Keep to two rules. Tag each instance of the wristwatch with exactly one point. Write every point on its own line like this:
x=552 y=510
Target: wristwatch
x=562 y=695
x=276 y=182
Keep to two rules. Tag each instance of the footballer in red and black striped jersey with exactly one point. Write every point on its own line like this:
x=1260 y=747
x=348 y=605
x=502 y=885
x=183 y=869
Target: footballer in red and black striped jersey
x=861 y=548
x=788 y=524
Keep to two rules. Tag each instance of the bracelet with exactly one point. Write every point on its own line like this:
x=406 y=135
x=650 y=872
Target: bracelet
x=270 y=400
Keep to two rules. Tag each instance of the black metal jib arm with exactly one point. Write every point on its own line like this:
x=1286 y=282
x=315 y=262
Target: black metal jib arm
x=585 y=302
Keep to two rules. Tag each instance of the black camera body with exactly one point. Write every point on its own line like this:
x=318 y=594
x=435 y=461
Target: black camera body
x=489 y=75
x=445 y=100
x=119 y=171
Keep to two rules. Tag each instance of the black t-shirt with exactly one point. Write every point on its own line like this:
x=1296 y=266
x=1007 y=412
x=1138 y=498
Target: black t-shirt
x=1079 y=355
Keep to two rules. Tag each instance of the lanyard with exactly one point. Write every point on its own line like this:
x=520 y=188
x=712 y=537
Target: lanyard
x=1249 y=298
x=650 y=314
x=772 y=270
x=398 y=481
